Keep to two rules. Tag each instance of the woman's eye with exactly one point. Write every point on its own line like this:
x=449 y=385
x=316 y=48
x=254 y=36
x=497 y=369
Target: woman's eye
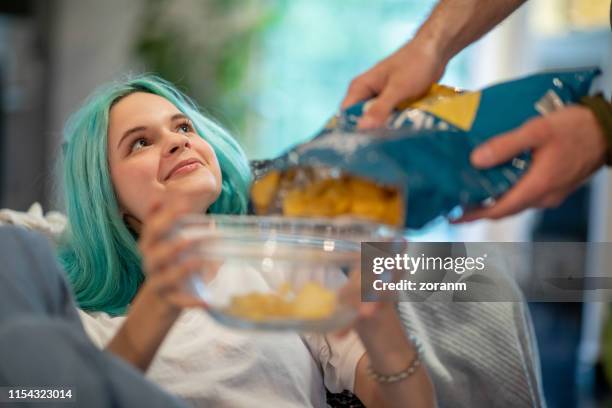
x=139 y=144
x=185 y=127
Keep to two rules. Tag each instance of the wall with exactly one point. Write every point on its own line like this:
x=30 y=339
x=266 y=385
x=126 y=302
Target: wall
x=91 y=44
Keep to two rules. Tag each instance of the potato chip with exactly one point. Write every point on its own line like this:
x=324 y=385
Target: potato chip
x=329 y=197
x=313 y=301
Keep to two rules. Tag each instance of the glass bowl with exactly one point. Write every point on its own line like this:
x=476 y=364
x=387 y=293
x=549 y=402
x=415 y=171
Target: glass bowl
x=277 y=273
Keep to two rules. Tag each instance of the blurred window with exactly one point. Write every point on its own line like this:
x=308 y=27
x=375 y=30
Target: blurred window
x=310 y=54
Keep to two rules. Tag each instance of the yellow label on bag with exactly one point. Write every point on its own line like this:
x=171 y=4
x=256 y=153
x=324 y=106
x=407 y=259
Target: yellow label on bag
x=458 y=110
x=448 y=104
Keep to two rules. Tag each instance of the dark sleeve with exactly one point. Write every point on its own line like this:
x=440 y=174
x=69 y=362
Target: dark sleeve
x=31 y=280
x=602 y=110
x=42 y=341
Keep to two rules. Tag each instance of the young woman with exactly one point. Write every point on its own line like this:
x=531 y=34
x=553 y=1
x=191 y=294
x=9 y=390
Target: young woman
x=137 y=155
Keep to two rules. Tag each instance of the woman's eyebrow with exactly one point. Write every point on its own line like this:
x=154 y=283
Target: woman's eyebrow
x=178 y=116
x=129 y=132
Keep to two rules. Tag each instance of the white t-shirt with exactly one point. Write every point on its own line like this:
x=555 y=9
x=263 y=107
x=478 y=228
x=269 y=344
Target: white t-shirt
x=208 y=364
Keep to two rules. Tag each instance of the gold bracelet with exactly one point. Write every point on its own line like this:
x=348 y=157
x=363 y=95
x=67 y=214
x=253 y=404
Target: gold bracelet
x=402 y=375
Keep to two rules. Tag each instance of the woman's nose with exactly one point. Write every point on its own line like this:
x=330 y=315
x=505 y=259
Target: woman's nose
x=177 y=143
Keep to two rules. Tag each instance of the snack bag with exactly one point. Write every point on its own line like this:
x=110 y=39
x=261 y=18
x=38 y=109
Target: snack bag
x=417 y=167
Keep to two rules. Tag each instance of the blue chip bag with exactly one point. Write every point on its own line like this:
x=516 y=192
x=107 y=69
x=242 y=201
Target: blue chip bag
x=417 y=167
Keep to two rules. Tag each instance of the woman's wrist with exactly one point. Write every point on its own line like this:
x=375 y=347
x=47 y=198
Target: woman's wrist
x=376 y=322
x=384 y=337
x=149 y=320
x=153 y=301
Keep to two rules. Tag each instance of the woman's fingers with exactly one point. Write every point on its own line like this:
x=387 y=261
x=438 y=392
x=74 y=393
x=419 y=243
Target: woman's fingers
x=164 y=254
x=159 y=222
x=175 y=275
x=368 y=309
x=168 y=259
x=350 y=295
x=171 y=283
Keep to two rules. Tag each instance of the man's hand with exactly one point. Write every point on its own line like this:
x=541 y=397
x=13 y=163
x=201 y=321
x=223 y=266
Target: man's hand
x=567 y=146
x=408 y=73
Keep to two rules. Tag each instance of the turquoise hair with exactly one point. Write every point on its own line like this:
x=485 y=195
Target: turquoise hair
x=98 y=251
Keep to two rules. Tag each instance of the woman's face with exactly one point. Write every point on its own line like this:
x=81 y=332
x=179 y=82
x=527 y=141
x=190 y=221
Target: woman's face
x=155 y=153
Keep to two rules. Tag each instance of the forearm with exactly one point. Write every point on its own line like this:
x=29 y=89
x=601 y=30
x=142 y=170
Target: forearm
x=145 y=328
x=389 y=351
x=455 y=24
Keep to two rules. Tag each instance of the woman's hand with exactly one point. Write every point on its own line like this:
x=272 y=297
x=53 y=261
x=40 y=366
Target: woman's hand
x=166 y=261
x=388 y=352
x=163 y=294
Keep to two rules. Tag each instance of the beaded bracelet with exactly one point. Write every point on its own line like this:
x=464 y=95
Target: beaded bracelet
x=405 y=373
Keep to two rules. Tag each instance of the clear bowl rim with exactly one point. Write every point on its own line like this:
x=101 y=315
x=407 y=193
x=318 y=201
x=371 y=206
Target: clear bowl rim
x=247 y=219
x=336 y=241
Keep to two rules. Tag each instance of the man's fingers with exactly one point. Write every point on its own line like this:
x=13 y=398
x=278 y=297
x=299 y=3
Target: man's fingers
x=527 y=191
x=381 y=108
x=552 y=200
x=365 y=86
x=500 y=149
x=358 y=90
x=504 y=147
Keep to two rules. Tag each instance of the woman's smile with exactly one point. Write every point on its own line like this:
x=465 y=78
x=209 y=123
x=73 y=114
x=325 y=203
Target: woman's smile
x=184 y=167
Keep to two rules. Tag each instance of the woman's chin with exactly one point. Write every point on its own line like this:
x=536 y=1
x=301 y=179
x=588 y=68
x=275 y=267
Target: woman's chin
x=200 y=196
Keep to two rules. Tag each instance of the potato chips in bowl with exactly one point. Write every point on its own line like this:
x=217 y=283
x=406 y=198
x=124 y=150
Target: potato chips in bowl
x=278 y=273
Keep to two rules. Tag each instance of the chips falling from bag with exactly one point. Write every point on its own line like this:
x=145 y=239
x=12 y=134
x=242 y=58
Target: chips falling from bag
x=417 y=167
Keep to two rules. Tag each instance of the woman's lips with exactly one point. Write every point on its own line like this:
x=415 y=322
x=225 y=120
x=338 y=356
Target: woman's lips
x=184 y=169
